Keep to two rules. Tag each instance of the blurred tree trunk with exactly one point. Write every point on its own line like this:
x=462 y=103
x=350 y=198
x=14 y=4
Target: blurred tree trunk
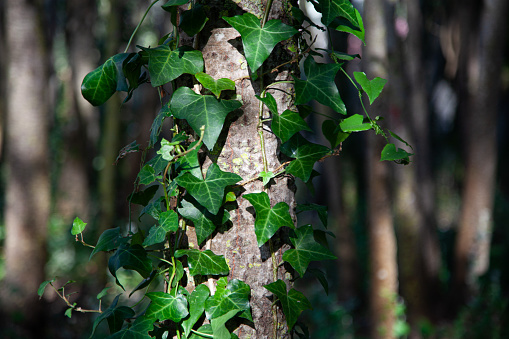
x=382 y=242
x=482 y=64
x=28 y=189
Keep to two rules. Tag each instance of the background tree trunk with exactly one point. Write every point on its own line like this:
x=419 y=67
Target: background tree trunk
x=382 y=242
x=27 y=191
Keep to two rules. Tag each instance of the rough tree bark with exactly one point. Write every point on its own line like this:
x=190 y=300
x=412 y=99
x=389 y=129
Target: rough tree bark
x=27 y=191
x=382 y=242
x=475 y=225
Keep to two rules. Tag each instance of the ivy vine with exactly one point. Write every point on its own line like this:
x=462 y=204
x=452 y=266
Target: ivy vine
x=176 y=168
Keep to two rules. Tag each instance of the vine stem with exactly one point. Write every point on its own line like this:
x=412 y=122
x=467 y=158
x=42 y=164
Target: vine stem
x=139 y=24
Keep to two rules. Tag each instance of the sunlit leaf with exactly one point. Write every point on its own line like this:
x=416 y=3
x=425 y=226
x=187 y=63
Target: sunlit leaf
x=373 y=88
x=167 y=222
x=196 y=307
x=332 y=10
x=354 y=123
x=215 y=86
x=78 y=226
x=390 y=153
x=165 y=306
x=204 y=262
x=109 y=240
x=235 y=295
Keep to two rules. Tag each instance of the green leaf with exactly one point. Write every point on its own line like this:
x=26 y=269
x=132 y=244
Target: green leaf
x=78 y=226
x=209 y=192
x=270 y=102
x=354 y=123
x=206 y=330
x=139 y=330
x=305 y=154
x=172 y=3
x=233 y=296
x=323 y=215
x=157 y=126
x=143 y=197
x=68 y=312
x=373 y=88
x=42 y=287
x=394 y=135
x=293 y=301
x=109 y=240
x=190 y=162
x=196 y=307
x=165 y=65
x=153 y=209
x=103 y=292
x=131 y=258
x=287 y=124
x=147 y=175
x=307 y=249
x=204 y=262
x=215 y=86
x=100 y=84
x=167 y=149
x=266 y=176
x=115 y=316
x=332 y=9
x=343 y=25
x=168 y=222
x=204 y=221
x=268 y=220
x=165 y=306
x=333 y=134
x=193 y=20
x=185 y=104
x=339 y=55
x=391 y=154
x=218 y=325
x=318 y=274
x=319 y=85
x=259 y=42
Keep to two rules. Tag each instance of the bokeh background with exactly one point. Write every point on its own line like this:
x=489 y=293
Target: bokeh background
x=433 y=234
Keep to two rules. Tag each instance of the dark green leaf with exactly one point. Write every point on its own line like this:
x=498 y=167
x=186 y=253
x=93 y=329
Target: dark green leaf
x=157 y=125
x=168 y=222
x=215 y=86
x=287 y=124
x=153 y=209
x=305 y=154
x=332 y=9
x=394 y=135
x=193 y=20
x=373 y=88
x=109 y=312
x=339 y=55
x=319 y=85
x=270 y=102
x=204 y=262
x=165 y=306
x=103 y=292
x=196 y=307
x=293 y=301
x=158 y=163
x=268 y=220
x=204 y=221
x=333 y=134
x=131 y=258
x=259 y=42
x=172 y=3
x=318 y=274
x=109 y=240
x=210 y=191
x=354 y=123
x=78 y=226
x=307 y=249
x=391 y=154
x=235 y=296
x=143 y=197
x=190 y=162
x=139 y=330
x=321 y=210
x=165 y=65
x=133 y=147
x=147 y=175
x=185 y=104
x=343 y=25
x=42 y=287
x=100 y=84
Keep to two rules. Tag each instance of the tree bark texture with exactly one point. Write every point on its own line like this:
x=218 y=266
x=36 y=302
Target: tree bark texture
x=241 y=153
x=475 y=225
x=382 y=242
x=27 y=191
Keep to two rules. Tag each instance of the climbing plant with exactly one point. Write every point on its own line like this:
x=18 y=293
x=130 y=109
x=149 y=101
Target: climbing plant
x=185 y=189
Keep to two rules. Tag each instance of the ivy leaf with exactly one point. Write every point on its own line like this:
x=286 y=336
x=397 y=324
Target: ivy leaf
x=192 y=21
x=354 y=123
x=307 y=249
x=78 y=226
x=268 y=220
x=109 y=240
x=143 y=197
x=287 y=124
x=259 y=42
x=185 y=104
x=190 y=162
x=42 y=287
x=333 y=133
x=157 y=126
x=165 y=306
x=204 y=221
x=332 y=9
x=343 y=25
x=394 y=135
x=139 y=330
x=168 y=222
x=391 y=154
x=319 y=85
x=131 y=258
x=196 y=307
x=165 y=65
x=233 y=296
x=270 y=102
x=373 y=88
x=210 y=191
x=305 y=154
x=204 y=262
x=266 y=176
x=100 y=84
x=293 y=301
x=318 y=274
x=115 y=316
x=215 y=86
x=153 y=209
x=321 y=210
x=144 y=283
x=339 y=55
x=147 y=175
x=218 y=325
x=172 y=3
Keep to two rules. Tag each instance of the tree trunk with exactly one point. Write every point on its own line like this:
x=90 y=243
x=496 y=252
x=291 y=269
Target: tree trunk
x=382 y=242
x=242 y=154
x=475 y=226
x=27 y=191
